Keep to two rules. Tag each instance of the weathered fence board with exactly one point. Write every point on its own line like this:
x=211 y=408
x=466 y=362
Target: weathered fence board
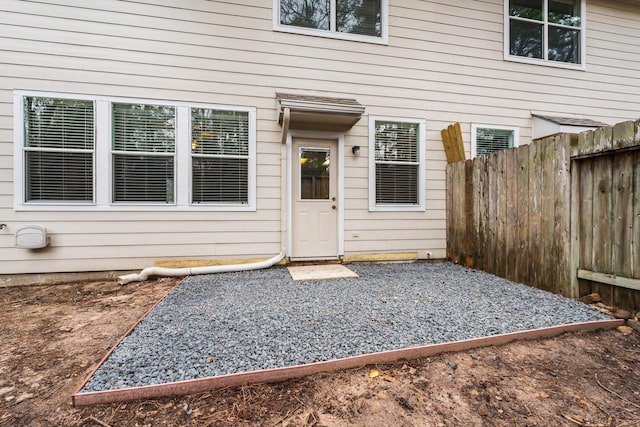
x=522 y=232
x=511 y=216
x=585 y=225
x=541 y=213
x=635 y=248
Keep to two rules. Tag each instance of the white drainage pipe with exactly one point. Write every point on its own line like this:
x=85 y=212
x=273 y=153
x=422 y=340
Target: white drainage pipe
x=192 y=271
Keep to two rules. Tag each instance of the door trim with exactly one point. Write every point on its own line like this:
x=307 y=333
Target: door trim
x=339 y=137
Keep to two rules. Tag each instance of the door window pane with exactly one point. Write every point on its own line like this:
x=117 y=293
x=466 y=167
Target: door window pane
x=314 y=174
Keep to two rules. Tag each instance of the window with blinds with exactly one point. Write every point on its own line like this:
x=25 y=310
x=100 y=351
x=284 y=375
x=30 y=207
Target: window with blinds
x=397 y=162
x=219 y=156
x=489 y=140
x=357 y=17
x=91 y=152
x=143 y=153
x=58 y=150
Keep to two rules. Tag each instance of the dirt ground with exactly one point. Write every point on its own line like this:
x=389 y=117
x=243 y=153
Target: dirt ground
x=52 y=336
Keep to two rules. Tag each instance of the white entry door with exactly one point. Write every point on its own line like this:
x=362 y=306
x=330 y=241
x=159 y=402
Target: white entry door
x=315 y=199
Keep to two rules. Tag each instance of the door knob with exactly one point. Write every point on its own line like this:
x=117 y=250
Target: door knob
x=333 y=206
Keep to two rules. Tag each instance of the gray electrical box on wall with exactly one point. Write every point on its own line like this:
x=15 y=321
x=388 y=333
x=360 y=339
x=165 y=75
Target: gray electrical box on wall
x=31 y=237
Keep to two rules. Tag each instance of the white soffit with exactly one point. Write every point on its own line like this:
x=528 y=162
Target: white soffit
x=309 y=112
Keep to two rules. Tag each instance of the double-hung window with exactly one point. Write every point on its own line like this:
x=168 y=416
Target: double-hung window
x=545 y=31
x=396 y=164
x=58 y=150
x=91 y=152
x=219 y=156
x=144 y=141
x=364 y=20
x=486 y=139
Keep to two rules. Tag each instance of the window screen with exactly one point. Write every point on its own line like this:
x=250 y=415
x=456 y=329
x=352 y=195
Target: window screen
x=59 y=150
x=143 y=153
x=396 y=162
x=490 y=140
x=546 y=29
x=350 y=16
x=220 y=156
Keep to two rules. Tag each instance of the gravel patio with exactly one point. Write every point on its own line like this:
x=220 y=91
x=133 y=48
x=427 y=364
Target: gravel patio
x=246 y=321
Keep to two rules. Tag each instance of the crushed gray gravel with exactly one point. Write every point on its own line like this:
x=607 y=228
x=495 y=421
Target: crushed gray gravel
x=237 y=322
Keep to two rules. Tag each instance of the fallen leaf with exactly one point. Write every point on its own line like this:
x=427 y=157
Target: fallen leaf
x=474 y=392
x=388 y=378
x=625 y=330
x=542 y=394
x=374 y=373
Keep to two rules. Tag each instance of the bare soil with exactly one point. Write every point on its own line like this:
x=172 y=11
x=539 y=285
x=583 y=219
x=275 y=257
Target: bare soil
x=51 y=337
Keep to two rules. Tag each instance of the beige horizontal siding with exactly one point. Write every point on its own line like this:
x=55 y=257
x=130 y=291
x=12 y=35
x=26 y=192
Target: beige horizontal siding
x=443 y=63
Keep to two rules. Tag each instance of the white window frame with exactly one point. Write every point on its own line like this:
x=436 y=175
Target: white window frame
x=544 y=61
x=19 y=153
x=332 y=33
x=103 y=167
x=476 y=126
x=420 y=206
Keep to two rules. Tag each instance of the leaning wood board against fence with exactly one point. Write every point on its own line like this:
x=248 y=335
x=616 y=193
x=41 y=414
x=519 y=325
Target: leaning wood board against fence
x=560 y=217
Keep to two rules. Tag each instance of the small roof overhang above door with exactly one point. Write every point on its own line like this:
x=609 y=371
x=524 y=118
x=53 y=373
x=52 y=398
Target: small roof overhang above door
x=308 y=112
x=544 y=125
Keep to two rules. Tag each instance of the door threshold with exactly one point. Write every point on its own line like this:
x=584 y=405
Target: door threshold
x=313 y=261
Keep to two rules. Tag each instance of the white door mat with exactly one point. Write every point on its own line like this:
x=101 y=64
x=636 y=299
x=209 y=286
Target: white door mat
x=320 y=272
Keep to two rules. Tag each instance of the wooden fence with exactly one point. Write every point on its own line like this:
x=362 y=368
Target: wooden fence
x=559 y=216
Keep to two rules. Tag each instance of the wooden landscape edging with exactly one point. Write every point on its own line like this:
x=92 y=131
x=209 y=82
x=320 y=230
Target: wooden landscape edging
x=287 y=373
x=539 y=213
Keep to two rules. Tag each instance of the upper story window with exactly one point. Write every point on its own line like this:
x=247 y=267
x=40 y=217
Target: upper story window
x=545 y=31
x=486 y=139
x=79 y=152
x=363 y=20
x=396 y=164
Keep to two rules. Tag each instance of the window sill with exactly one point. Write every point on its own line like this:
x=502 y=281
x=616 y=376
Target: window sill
x=331 y=35
x=396 y=208
x=545 y=63
x=41 y=207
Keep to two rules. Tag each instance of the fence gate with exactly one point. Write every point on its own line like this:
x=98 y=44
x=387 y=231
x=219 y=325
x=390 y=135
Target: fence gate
x=606 y=214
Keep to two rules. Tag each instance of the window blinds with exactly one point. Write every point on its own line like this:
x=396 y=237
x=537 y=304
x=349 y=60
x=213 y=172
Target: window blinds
x=220 y=156
x=59 y=148
x=143 y=153
x=397 y=162
x=491 y=140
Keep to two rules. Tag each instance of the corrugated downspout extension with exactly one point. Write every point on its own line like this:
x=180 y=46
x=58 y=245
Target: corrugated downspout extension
x=193 y=271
